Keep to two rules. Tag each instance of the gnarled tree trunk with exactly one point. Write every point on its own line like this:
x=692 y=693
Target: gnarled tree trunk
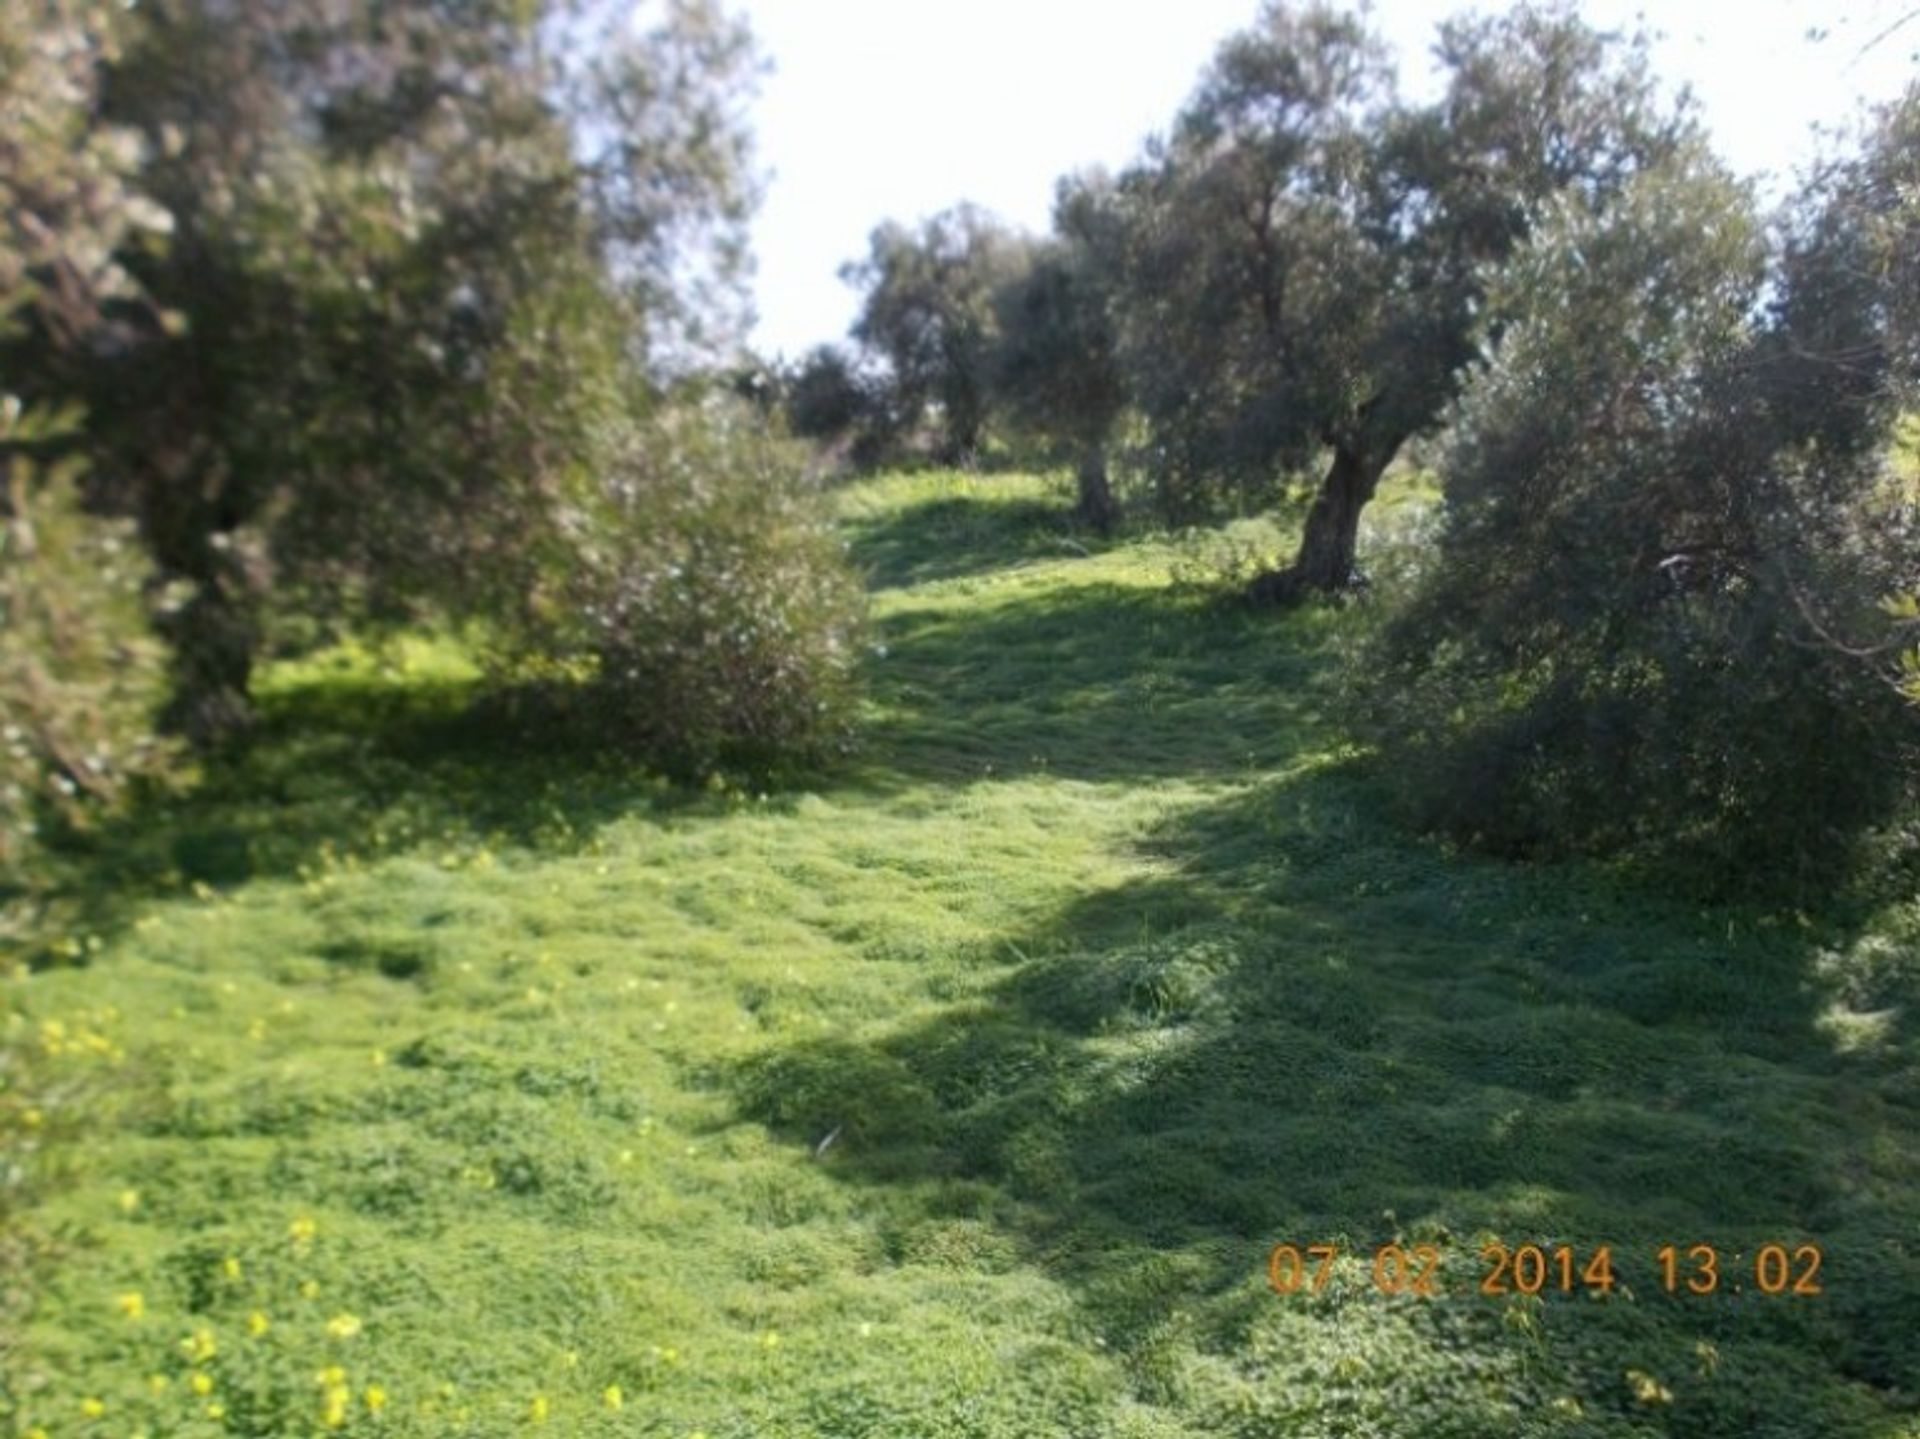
x=1097 y=508
x=1325 y=562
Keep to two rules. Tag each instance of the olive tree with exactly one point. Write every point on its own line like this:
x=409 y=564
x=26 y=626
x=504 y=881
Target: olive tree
x=927 y=314
x=1308 y=251
x=1618 y=644
x=80 y=673
x=419 y=251
x=1055 y=373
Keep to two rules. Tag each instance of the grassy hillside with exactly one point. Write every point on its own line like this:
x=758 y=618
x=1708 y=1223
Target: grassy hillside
x=417 y=1080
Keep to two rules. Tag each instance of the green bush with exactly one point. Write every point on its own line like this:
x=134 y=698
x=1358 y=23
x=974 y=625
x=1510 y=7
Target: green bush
x=81 y=674
x=701 y=593
x=1625 y=640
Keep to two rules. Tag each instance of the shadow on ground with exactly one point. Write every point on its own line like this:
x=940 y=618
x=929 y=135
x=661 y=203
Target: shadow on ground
x=1302 y=1026
x=354 y=767
x=1097 y=681
x=953 y=536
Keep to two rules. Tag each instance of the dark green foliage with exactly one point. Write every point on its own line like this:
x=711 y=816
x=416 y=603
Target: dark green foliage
x=80 y=673
x=412 y=255
x=826 y=399
x=1622 y=641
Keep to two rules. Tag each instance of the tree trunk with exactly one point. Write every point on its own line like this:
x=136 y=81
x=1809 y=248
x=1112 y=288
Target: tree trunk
x=214 y=639
x=1324 y=564
x=1097 y=509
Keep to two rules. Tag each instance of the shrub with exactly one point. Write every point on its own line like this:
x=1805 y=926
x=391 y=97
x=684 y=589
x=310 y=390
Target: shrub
x=703 y=595
x=1622 y=642
x=81 y=675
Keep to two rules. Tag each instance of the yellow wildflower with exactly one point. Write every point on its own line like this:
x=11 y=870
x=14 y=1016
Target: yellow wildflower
x=129 y=1200
x=333 y=1376
x=230 y=1267
x=309 y=1288
x=343 y=1326
x=771 y=1339
x=92 y=1408
x=376 y=1398
x=537 y=1411
x=158 y=1383
x=334 y=1412
x=258 y=1324
x=615 y=1399
x=1647 y=1389
x=33 y=1118
x=132 y=1304
x=199 y=1346
x=216 y=1411
x=202 y=1383
x=302 y=1230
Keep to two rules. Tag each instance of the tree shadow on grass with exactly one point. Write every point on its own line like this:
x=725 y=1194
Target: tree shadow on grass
x=1100 y=681
x=354 y=767
x=952 y=536
x=1305 y=1027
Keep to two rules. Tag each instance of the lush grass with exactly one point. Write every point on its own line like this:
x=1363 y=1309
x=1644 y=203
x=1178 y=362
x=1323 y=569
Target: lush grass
x=963 y=1094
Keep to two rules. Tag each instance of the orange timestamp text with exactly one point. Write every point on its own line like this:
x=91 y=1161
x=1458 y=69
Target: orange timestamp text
x=1421 y=1271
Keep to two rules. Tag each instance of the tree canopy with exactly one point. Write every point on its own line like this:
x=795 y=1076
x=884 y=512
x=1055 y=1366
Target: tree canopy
x=1308 y=251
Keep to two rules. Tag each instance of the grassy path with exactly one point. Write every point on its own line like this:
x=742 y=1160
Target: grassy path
x=421 y=1085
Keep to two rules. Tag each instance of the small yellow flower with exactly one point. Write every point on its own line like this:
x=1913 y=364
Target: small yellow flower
x=199 y=1346
x=343 y=1326
x=216 y=1411
x=614 y=1398
x=159 y=1383
x=33 y=1118
x=132 y=1304
x=309 y=1288
x=230 y=1267
x=379 y=1058
x=36 y=1434
x=376 y=1398
x=771 y=1339
x=1647 y=1389
x=258 y=1324
x=333 y=1376
x=302 y=1230
x=129 y=1200
x=202 y=1383
x=92 y=1408
x=537 y=1411
x=334 y=1412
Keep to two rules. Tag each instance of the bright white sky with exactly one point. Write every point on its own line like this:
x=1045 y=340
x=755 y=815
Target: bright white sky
x=899 y=108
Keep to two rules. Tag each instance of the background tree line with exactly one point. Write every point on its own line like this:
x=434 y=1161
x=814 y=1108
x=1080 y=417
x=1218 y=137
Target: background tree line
x=1662 y=607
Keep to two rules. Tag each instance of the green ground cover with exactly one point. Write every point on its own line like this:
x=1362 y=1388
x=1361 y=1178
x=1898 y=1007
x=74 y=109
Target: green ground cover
x=415 y=1079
